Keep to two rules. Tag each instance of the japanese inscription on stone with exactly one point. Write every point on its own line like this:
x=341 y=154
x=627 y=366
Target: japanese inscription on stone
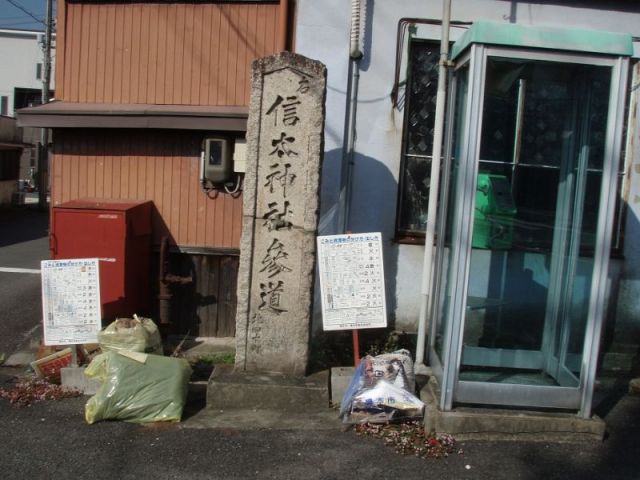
x=284 y=140
x=352 y=281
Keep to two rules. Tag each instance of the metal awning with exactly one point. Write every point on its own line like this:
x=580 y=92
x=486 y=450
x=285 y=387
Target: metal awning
x=61 y=114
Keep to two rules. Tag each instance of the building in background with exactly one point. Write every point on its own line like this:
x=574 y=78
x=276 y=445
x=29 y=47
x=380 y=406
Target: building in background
x=21 y=86
x=151 y=104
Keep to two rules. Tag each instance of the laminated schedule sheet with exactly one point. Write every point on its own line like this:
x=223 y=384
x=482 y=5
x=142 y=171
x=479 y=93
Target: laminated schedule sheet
x=352 y=281
x=71 y=301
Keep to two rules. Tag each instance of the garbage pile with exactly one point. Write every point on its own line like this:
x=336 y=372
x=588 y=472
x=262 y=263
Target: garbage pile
x=137 y=387
x=381 y=391
x=410 y=438
x=137 y=334
x=137 y=383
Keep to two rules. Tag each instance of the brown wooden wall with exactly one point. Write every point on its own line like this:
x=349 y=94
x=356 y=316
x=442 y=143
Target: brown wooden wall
x=157 y=165
x=183 y=54
x=206 y=307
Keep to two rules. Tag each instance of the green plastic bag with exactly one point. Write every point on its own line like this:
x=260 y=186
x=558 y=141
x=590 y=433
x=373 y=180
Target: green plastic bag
x=137 y=334
x=137 y=387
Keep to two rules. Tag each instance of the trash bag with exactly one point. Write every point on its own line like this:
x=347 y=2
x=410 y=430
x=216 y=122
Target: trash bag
x=381 y=390
x=137 y=387
x=396 y=368
x=137 y=334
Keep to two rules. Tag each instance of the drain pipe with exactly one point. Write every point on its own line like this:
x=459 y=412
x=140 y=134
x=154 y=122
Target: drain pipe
x=425 y=300
x=348 y=147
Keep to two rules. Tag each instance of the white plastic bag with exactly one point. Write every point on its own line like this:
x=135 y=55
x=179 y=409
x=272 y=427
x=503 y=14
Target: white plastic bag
x=381 y=390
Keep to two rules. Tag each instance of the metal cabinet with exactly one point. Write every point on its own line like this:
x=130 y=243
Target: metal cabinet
x=119 y=234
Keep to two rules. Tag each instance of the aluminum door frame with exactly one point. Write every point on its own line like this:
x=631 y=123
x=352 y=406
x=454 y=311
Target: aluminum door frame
x=447 y=369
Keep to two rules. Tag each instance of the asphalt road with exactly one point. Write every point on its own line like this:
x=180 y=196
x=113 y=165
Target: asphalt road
x=23 y=244
x=50 y=440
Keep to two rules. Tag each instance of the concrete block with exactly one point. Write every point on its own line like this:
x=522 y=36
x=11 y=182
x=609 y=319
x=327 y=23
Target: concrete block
x=74 y=377
x=340 y=379
x=503 y=424
x=228 y=389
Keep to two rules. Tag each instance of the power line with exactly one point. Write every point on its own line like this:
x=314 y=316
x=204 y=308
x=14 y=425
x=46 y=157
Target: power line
x=20 y=7
x=14 y=24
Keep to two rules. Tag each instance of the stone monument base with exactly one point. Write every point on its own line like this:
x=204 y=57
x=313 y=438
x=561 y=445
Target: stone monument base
x=229 y=389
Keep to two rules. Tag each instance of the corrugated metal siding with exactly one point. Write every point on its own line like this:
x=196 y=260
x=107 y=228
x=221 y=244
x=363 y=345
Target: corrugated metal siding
x=162 y=166
x=182 y=54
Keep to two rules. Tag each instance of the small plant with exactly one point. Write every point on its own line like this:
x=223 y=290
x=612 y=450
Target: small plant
x=203 y=365
x=228 y=358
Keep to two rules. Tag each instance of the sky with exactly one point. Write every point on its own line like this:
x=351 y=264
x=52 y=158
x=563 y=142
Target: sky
x=14 y=18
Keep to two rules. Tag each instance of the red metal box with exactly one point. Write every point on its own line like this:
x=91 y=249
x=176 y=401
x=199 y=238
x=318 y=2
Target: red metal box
x=119 y=234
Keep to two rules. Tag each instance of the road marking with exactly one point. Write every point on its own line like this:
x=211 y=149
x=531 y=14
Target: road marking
x=19 y=270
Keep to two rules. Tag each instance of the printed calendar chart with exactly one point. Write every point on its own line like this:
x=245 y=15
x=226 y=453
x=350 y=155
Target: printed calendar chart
x=352 y=281
x=71 y=301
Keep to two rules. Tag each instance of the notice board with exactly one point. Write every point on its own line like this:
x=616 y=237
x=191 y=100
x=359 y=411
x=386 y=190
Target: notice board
x=352 y=281
x=70 y=301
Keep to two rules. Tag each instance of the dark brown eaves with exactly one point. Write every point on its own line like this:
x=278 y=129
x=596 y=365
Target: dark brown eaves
x=101 y=115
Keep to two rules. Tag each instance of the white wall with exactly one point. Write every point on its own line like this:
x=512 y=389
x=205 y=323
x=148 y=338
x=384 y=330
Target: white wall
x=323 y=32
x=20 y=53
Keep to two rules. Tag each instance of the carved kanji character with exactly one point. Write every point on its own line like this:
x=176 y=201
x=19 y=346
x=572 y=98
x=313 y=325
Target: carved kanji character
x=274 y=219
x=280 y=177
x=270 y=296
x=289 y=108
x=283 y=146
x=272 y=261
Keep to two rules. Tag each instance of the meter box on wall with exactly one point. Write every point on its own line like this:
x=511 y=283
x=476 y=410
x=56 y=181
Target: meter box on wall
x=495 y=212
x=119 y=235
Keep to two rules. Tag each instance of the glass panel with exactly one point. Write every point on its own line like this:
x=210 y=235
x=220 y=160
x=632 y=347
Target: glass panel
x=537 y=197
x=446 y=230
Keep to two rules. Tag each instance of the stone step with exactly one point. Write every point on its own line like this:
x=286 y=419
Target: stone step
x=228 y=389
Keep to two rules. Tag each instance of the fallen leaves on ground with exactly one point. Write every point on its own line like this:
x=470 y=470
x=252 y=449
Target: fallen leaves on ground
x=30 y=390
x=409 y=438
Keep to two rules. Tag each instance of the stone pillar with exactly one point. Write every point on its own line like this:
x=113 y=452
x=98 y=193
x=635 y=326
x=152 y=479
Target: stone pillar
x=280 y=214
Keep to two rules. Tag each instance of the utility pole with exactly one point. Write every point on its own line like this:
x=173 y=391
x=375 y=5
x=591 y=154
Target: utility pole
x=43 y=148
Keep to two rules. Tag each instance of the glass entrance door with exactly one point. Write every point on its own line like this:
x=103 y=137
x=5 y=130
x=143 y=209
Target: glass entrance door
x=521 y=254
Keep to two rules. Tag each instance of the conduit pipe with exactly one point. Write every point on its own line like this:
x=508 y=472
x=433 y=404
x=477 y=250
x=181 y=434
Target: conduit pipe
x=427 y=270
x=346 y=174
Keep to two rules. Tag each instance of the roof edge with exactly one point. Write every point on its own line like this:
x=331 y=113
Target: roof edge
x=60 y=114
x=545 y=37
